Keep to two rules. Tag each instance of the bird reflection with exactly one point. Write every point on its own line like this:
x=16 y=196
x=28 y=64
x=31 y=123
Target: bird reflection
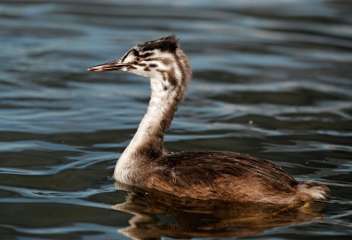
x=157 y=215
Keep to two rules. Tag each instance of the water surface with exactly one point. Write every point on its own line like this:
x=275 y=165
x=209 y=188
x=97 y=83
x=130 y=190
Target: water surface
x=271 y=79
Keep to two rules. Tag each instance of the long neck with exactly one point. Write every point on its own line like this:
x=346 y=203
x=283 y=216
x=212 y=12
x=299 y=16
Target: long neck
x=147 y=143
x=148 y=140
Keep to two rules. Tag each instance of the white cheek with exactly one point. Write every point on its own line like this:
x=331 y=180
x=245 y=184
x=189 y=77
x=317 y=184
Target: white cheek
x=139 y=71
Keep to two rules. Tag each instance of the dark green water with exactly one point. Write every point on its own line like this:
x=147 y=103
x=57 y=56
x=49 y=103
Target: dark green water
x=271 y=78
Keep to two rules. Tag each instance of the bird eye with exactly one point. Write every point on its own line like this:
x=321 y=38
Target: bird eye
x=135 y=52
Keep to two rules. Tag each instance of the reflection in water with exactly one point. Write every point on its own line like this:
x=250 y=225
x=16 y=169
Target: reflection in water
x=157 y=214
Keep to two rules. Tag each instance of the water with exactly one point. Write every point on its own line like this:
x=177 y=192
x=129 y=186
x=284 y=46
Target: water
x=271 y=79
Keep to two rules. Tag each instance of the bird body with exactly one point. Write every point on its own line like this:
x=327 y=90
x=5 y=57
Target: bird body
x=224 y=176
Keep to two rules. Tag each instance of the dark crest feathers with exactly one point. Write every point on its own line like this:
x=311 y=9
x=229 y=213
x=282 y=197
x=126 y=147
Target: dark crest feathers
x=168 y=43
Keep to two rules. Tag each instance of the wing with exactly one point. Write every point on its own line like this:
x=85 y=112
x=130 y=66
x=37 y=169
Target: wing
x=186 y=169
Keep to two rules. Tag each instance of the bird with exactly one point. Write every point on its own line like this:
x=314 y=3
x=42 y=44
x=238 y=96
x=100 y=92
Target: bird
x=214 y=175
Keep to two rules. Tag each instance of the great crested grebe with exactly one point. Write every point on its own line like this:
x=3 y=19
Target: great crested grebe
x=226 y=176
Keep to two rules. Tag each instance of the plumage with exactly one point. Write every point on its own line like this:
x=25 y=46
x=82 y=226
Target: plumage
x=220 y=175
x=225 y=176
x=168 y=43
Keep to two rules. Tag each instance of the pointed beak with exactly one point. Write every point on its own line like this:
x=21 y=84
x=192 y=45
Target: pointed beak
x=110 y=66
